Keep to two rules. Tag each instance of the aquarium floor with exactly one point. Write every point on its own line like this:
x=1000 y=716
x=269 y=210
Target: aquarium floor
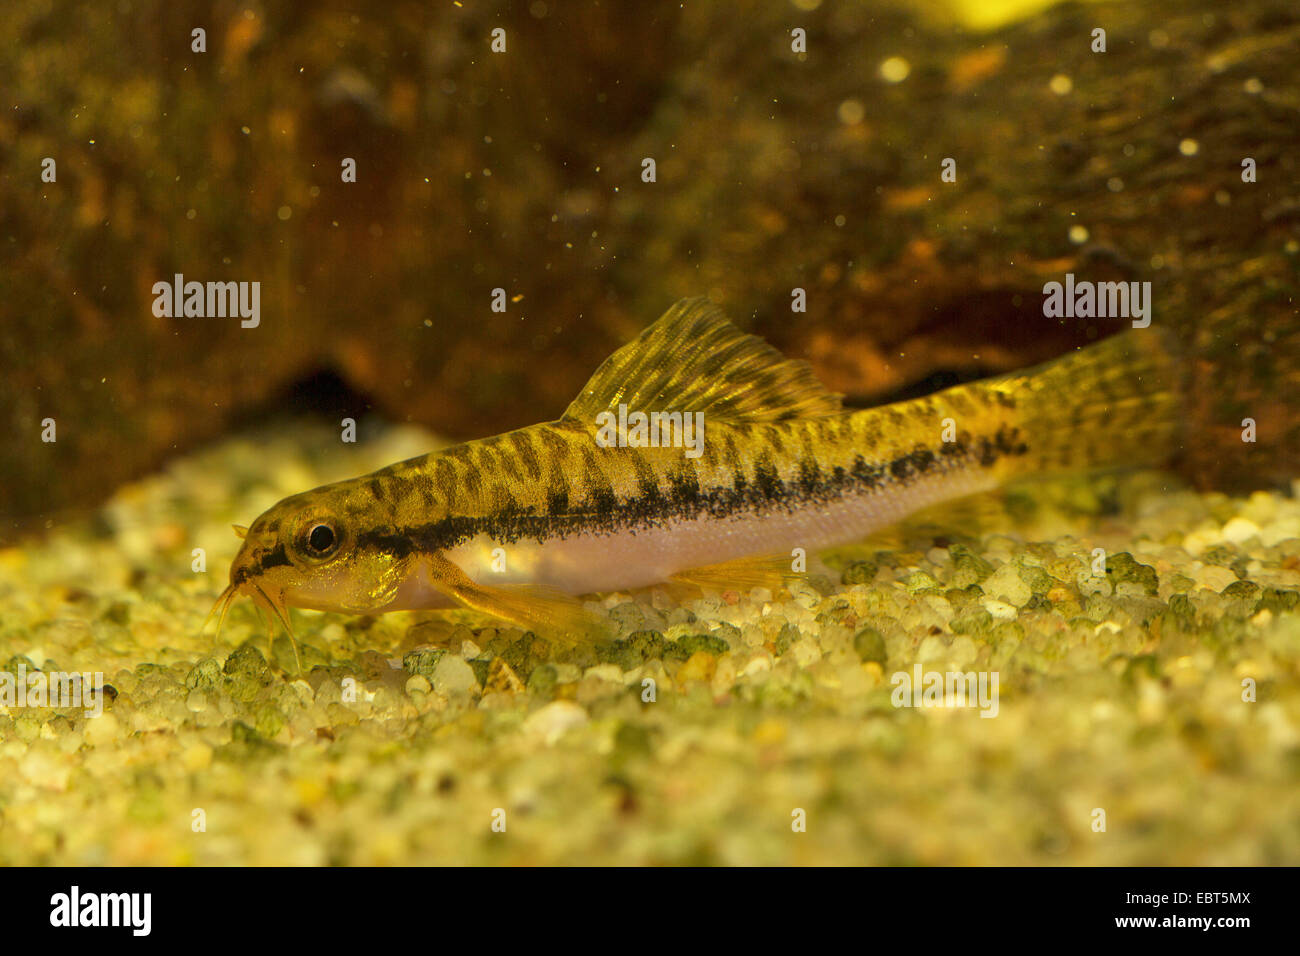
x=1121 y=734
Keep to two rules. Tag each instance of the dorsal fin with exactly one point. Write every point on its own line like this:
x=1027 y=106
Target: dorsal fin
x=694 y=360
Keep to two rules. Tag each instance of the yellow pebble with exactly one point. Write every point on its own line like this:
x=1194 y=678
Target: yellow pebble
x=699 y=666
x=769 y=732
x=102 y=729
x=197 y=757
x=310 y=791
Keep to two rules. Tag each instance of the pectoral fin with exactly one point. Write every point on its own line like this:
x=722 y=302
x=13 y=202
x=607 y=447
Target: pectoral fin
x=550 y=614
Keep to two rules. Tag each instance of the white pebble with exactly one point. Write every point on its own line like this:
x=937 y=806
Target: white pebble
x=933 y=648
x=553 y=720
x=1005 y=583
x=1000 y=610
x=1214 y=577
x=1240 y=529
x=454 y=676
x=103 y=729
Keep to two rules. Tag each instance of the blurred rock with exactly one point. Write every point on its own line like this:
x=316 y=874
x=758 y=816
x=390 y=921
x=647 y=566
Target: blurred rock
x=522 y=171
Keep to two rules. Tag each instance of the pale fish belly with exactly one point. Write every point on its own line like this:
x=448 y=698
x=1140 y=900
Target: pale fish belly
x=588 y=563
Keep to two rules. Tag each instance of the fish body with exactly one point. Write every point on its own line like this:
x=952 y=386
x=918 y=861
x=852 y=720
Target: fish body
x=598 y=500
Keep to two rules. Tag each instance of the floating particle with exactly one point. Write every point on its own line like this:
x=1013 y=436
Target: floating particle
x=851 y=112
x=895 y=69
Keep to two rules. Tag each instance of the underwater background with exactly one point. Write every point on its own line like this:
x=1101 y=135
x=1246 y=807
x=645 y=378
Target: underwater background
x=1160 y=691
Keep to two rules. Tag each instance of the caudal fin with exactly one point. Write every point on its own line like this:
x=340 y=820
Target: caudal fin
x=1120 y=403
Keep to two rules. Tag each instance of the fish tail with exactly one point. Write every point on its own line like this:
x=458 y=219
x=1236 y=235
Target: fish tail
x=1120 y=403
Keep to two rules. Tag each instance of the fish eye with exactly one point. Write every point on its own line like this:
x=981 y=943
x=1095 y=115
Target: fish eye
x=320 y=540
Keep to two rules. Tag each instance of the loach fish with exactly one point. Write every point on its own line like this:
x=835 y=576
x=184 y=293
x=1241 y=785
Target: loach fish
x=520 y=524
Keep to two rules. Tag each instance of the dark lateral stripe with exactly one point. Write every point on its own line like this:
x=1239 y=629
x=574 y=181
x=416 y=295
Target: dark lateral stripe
x=679 y=495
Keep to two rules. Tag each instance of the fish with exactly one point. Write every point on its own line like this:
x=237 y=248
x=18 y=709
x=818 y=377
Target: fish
x=739 y=456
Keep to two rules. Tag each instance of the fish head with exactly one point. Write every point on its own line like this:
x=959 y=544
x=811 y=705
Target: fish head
x=309 y=551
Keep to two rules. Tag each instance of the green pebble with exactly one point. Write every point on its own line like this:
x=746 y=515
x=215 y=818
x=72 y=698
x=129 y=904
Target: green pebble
x=1277 y=600
x=820 y=583
x=1143 y=665
x=1219 y=554
x=247 y=662
x=842 y=614
x=1122 y=567
x=1241 y=589
x=20 y=660
x=731 y=634
x=423 y=662
x=522 y=650
x=641 y=646
x=1182 y=608
x=1039 y=581
x=870 y=645
x=1098 y=607
x=860 y=572
x=480 y=668
x=976 y=622
x=580 y=656
x=241 y=733
x=674 y=651
x=542 y=680
x=787 y=636
x=269 y=722
x=631 y=740
x=1007 y=631
x=204 y=675
x=117 y=613
x=968 y=567
x=690 y=643
x=919 y=581
x=619 y=652
x=627 y=616
x=965 y=597
x=28 y=727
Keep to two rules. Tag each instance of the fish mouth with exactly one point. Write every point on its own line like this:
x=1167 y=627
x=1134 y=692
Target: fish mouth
x=249 y=587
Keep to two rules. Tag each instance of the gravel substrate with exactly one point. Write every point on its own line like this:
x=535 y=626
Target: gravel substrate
x=1121 y=735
